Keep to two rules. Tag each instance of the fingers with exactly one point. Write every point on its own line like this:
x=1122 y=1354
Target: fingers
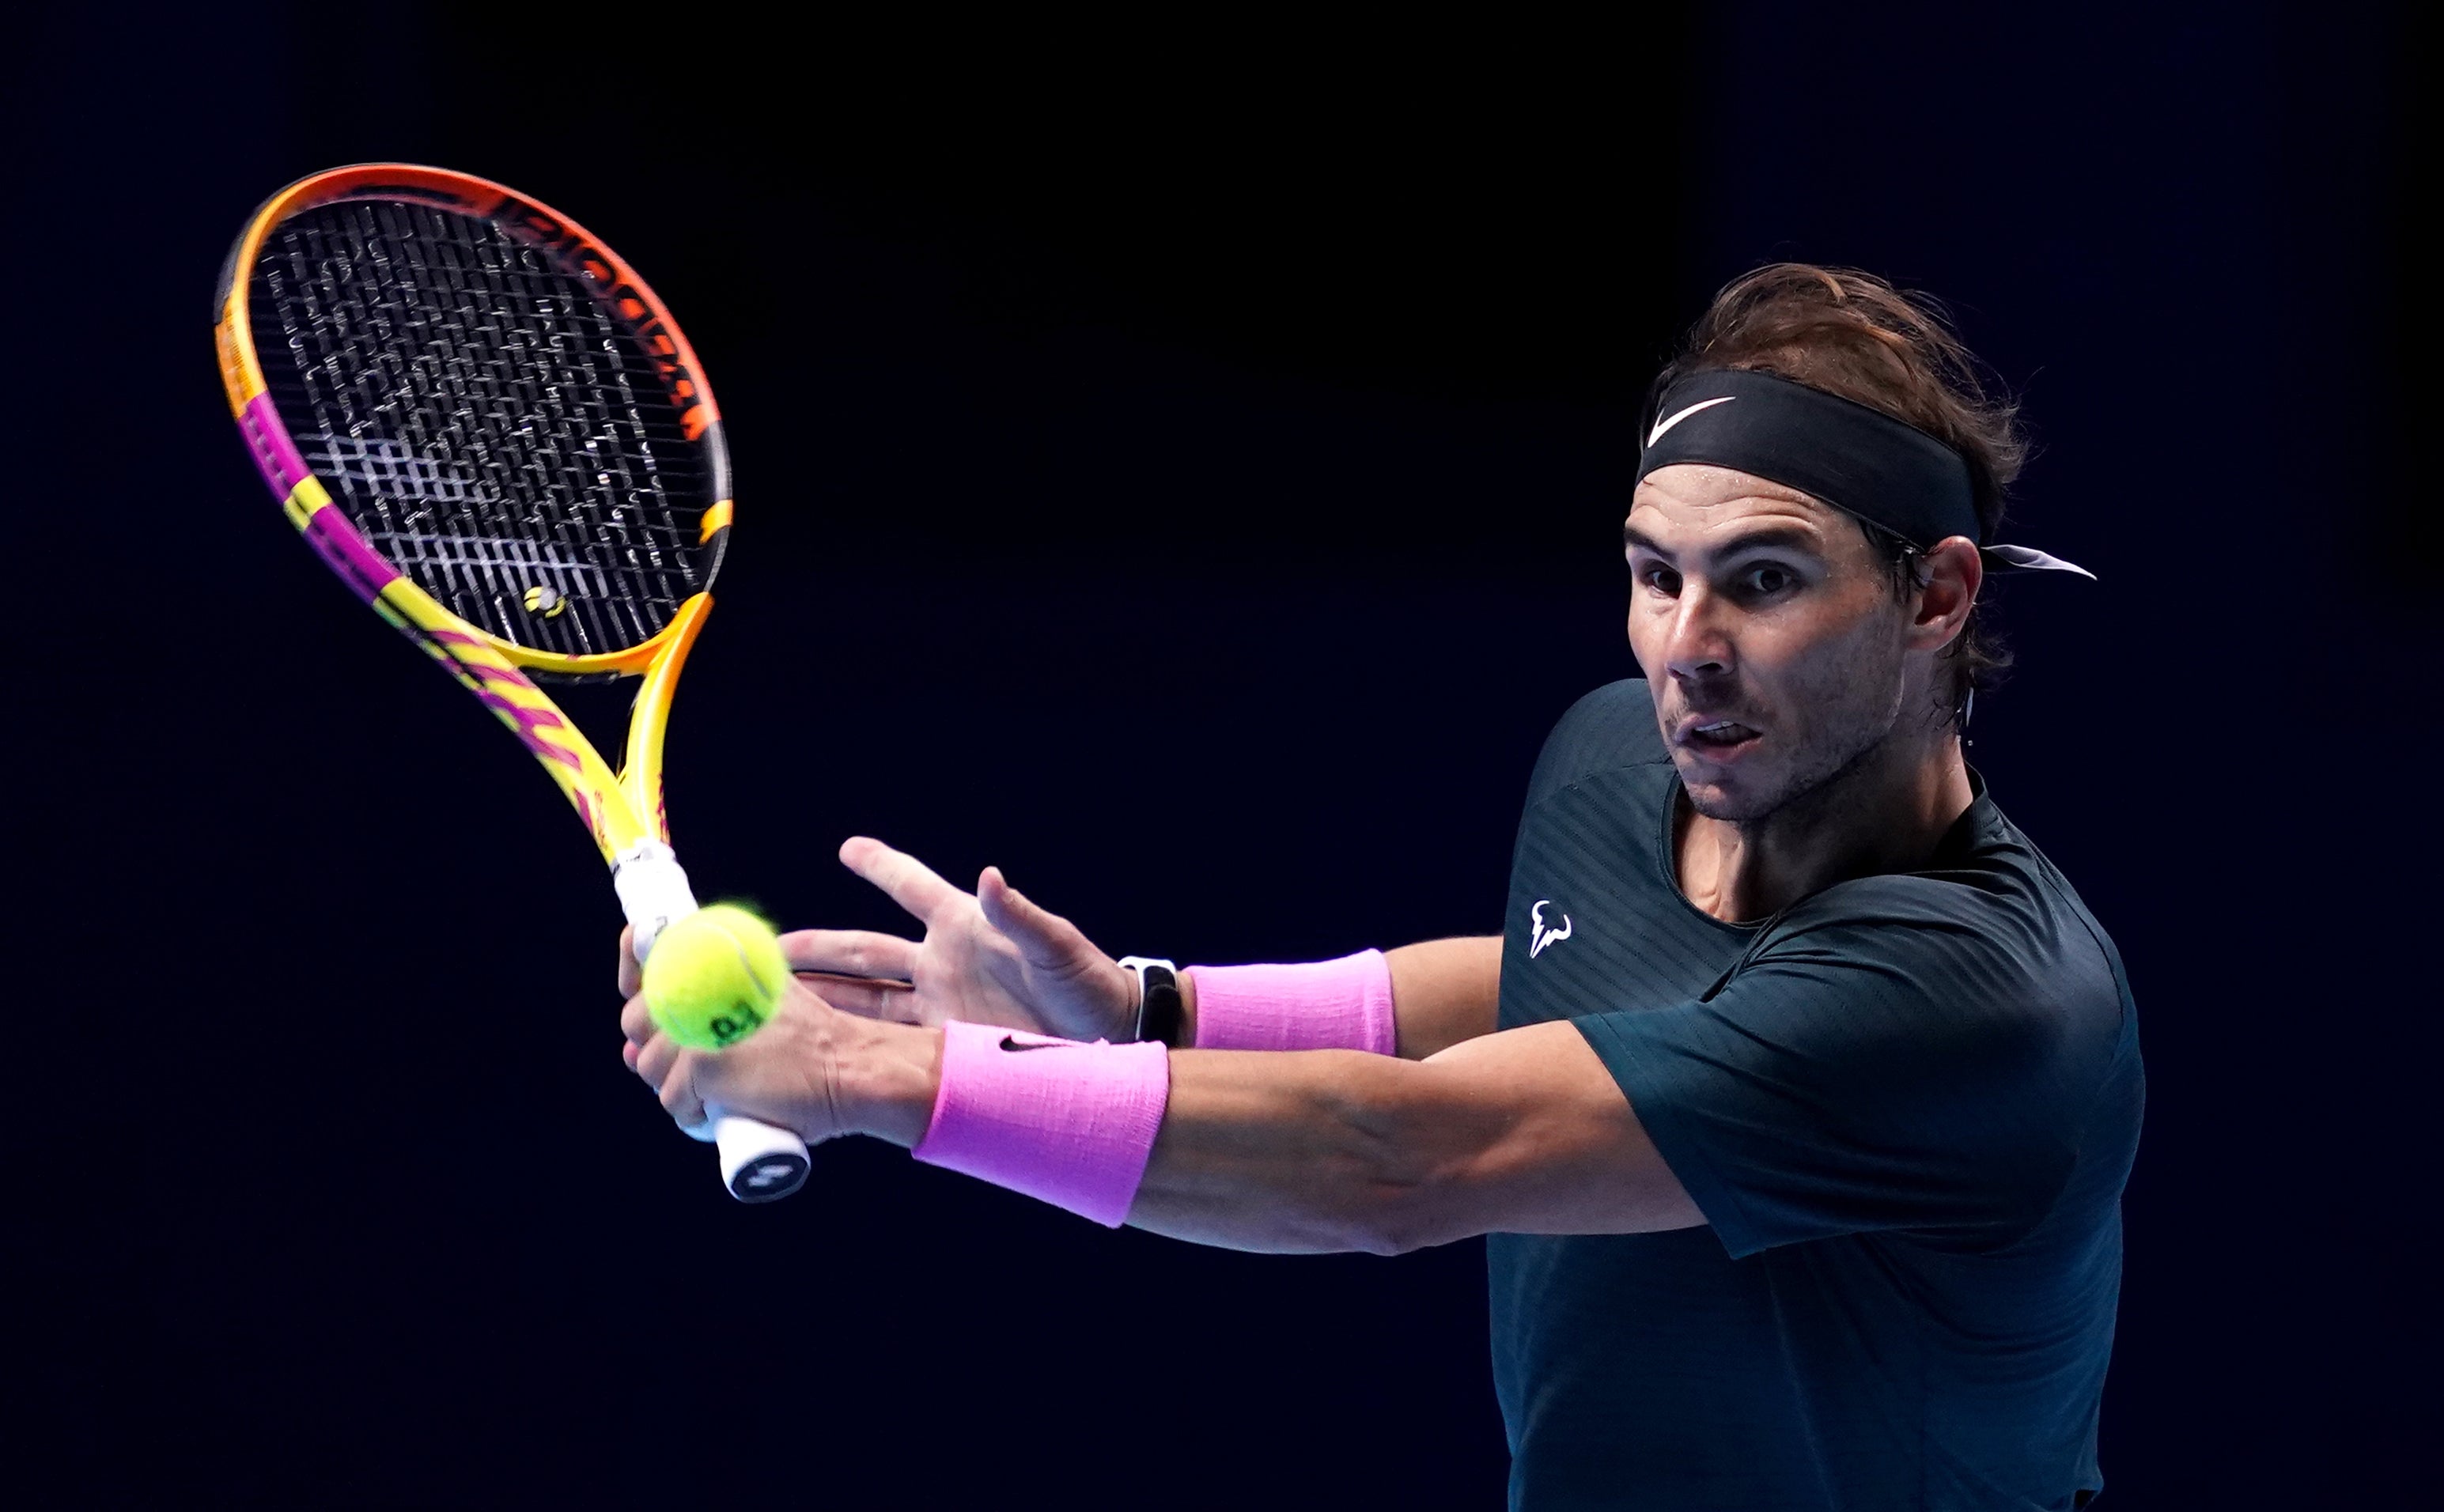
x=849 y=953
x=632 y=975
x=1044 y=938
x=680 y=1098
x=908 y=881
x=655 y=1059
x=660 y=1065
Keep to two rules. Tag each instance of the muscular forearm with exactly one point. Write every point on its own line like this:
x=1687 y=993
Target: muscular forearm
x=1311 y=1151
x=1524 y=1132
x=1443 y=992
x=1520 y=1132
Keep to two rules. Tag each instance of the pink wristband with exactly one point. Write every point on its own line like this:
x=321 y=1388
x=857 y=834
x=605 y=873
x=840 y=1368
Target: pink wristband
x=1343 y=1005
x=1064 y=1121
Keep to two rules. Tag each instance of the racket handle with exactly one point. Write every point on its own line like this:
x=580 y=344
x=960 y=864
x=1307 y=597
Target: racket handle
x=653 y=889
x=759 y=1163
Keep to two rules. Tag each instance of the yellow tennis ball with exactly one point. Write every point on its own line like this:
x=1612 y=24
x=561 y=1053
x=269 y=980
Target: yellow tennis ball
x=715 y=976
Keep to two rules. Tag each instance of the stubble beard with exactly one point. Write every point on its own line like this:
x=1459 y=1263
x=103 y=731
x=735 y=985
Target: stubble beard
x=1854 y=732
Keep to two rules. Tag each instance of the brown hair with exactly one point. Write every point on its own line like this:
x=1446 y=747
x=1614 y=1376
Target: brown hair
x=1855 y=334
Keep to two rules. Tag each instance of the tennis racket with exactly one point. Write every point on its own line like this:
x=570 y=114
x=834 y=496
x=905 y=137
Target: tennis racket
x=489 y=428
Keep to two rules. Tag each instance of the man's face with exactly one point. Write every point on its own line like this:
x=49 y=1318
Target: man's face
x=1767 y=627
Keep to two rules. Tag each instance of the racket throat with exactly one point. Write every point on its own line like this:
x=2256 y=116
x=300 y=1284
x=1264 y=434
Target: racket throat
x=652 y=892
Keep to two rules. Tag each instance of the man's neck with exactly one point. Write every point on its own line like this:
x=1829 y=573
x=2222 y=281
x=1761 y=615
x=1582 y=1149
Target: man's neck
x=1886 y=814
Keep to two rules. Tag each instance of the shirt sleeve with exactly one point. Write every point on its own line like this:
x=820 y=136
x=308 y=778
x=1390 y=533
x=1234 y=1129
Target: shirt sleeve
x=1892 y=1063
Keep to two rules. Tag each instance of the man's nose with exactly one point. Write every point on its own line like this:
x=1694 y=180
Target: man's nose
x=1697 y=644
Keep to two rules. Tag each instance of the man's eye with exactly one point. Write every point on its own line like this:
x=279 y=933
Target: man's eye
x=1662 y=579
x=1767 y=580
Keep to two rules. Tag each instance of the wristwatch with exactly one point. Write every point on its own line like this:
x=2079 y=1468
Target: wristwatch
x=1159 y=1005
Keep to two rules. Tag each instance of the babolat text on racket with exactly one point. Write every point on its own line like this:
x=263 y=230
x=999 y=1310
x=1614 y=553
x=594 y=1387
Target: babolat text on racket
x=489 y=428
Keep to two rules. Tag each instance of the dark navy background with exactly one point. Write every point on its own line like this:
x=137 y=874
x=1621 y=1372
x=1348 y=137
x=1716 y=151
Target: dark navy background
x=1280 y=378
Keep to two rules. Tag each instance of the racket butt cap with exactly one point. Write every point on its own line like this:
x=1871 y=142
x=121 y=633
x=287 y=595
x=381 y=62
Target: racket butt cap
x=759 y=1163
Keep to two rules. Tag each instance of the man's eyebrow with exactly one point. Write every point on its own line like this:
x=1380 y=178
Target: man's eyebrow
x=1767 y=538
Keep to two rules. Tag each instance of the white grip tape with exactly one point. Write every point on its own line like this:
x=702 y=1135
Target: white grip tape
x=653 y=889
x=758 y=1162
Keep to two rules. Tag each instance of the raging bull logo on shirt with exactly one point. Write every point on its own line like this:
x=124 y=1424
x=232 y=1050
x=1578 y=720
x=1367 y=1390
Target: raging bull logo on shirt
x=1539 y=934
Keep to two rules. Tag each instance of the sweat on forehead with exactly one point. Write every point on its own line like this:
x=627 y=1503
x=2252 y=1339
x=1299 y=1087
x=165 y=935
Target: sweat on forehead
x=1705 y=485
x=1689 y=509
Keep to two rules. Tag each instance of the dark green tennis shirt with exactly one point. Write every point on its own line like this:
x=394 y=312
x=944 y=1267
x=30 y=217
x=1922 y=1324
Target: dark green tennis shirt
x=1906 y=1106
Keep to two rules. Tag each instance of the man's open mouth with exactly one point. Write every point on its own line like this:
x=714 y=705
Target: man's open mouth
x=1721 y=734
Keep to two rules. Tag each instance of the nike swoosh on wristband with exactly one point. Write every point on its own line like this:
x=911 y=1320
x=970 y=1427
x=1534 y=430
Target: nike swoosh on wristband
x=1661 y=426
x=1011 y=1044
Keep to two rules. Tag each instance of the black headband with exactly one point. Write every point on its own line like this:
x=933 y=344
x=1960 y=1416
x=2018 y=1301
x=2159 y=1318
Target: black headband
x=1859 y=460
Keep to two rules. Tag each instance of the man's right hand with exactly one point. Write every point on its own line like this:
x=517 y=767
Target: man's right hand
x=990 y=956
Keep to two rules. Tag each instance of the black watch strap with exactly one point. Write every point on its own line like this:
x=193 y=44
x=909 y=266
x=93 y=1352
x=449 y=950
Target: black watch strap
x=1160 y=1007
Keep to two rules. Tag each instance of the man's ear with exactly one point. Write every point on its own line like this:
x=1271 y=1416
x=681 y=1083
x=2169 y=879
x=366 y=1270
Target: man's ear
x=1952 y=574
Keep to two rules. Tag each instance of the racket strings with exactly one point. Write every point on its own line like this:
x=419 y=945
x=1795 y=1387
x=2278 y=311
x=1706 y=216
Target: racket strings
x=486 y=422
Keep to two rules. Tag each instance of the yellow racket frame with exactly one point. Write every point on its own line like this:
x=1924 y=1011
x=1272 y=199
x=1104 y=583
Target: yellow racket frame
x=624 y=810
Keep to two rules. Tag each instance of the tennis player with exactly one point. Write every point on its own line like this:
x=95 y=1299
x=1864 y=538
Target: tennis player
x=1797 y=1097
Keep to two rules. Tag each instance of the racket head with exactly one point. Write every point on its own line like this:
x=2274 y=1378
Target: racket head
x=446 y=381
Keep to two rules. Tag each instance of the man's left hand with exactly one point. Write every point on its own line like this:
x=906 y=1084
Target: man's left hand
x=810 y=1068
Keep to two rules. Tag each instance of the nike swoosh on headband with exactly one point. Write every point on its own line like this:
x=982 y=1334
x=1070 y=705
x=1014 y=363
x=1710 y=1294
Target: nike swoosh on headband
x=1851 y=456
x=1661 y=426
